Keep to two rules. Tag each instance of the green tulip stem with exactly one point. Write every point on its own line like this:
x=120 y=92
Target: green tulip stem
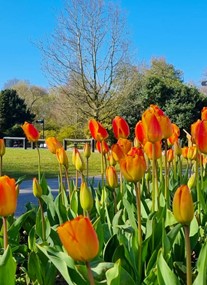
x=90 y=274
x=138 y=202
x=102 y=165
x=166 y=177
x=155 y=196
x=87 y=168
x=68 y=182
x=61 y=182
x=5 y=232
x=188 y=254
x=39 y=165
x=198 y=186
x=43 y=220
x=76 y=179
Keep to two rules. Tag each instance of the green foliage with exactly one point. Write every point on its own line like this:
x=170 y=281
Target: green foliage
x=13 y=112
x=162 y=85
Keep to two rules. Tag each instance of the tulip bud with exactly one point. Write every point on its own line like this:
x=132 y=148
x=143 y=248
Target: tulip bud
x=111 y=177
x=192 y=181
x=37 y=189
x=78 y=161
x=62 y=157
x=53 y=144
x=183 y=205
x=2 y=147
x=86 y=198
x=87 y=150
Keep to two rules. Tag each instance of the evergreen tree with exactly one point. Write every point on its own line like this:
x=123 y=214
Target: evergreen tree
x=13 y=113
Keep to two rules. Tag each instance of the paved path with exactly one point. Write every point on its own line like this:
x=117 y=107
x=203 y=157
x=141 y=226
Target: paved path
x=26 y=194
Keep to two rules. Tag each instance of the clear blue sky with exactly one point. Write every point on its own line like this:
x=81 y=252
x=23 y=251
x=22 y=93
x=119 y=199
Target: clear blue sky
x=173 y=29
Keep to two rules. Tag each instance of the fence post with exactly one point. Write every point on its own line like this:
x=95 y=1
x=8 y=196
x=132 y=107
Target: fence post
x=92 y=145
x=65 y=144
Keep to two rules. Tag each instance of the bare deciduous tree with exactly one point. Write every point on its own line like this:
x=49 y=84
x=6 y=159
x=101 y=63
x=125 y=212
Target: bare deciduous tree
x=84 y=53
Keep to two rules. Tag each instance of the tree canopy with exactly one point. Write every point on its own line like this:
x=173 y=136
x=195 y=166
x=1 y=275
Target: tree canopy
x=13 y=112
x=162 y=84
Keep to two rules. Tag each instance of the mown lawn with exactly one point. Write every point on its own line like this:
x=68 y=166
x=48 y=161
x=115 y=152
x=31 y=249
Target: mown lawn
x=18 y=162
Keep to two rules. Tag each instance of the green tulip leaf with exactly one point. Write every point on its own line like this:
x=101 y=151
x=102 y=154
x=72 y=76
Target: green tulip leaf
x=164 y=273
x=7 y=268
x=201 y=267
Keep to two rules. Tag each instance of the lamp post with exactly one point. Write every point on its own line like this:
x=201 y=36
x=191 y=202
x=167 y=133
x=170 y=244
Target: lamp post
x=42 y=122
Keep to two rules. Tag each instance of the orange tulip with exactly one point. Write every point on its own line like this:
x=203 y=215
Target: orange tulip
x=148 y=150
x=2 y=147
x=151 y=125
x=120 y=128
x=53 y=144
x=62 y=157
x=170 y=155
x=140 y=133
x=175 y=135
x=98 y=132
x=102 y=146
x=125 y=145
x=87 y=150
x=79 y=238
x=8 y=196
x=194 y=130
x=185 y=152
x=31 y=132
x=133 y=165
x=164 y=122
x=117 y=152
x=200 y=136
x=111 y=177
x=204 y=113
x=183 y=205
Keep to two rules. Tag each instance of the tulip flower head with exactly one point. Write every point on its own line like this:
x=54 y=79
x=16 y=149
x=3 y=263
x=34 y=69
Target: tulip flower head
x=140 y=133
x=151 y=125
x=62 y=157
x=53 y=144
x=79 y=238
x=31 y=132
x=204 y=113
x=120 y=128
x=111 y=177
x=86 y=198
x=183 y=205
x=98 y=132
x=148 y=150
x=201 y=135
x=36 y=187
x=8 y=196
x=2 y=147
x=164 y=122
x=102 y=147
x=87 y=150
x=133 y=165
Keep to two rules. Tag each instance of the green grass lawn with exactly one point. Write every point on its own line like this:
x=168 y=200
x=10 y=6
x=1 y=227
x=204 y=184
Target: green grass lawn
x=19 y=162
